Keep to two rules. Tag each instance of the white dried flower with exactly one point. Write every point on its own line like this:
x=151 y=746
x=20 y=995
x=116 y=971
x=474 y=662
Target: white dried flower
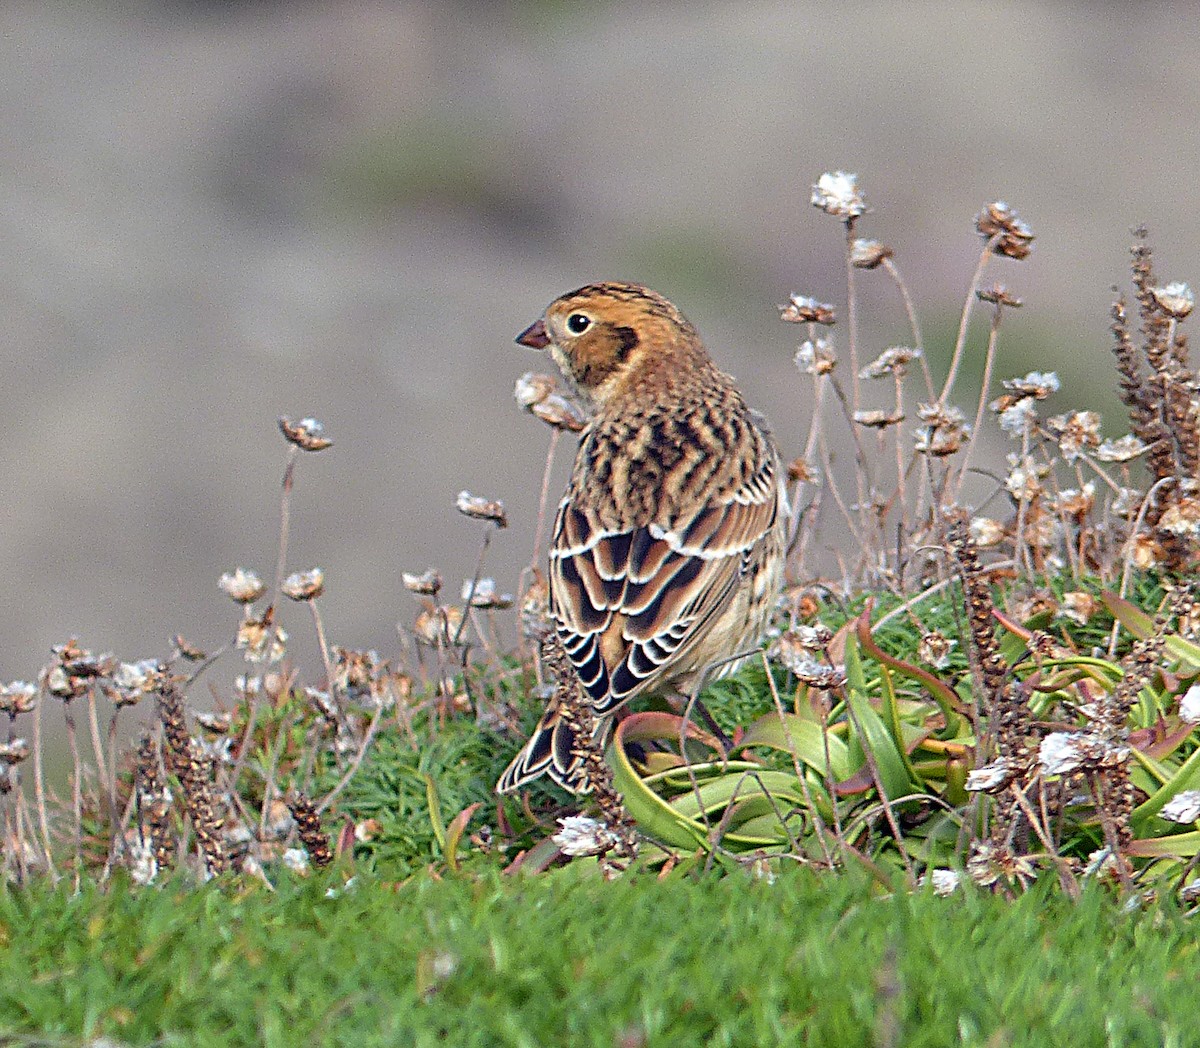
x=1175 y=299
x=532 y=388
x=1037 y=384
x=134 y=680
x=1182 y=518
x=308 y=434
x=428 y=583
x=804 y=309
x=1060 y=753
x=1023 y=482
x=1079 y=607
x=892 y=361
x=816 y=358
x=945 y=430
x=18 y=696
x=296 y=860
x=1183 y=807
x=945 y=882
x=869 y=254
x=261 y=641
x=1018 y=419
x=837 y=194
x=304 y=585
x=1077 y=431
x=482 y=593
x=989 y=778
x=243 y=586
x=1189 y=705
x=14 y=751
x=1013 y=237
x=580 y=835
x=986 y=532
x=934 y=649
x=1123 y=449
x=877 y=419
x=143 y=867
x=482 y=509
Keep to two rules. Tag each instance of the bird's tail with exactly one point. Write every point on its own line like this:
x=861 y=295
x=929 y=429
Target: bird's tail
x=550 y=751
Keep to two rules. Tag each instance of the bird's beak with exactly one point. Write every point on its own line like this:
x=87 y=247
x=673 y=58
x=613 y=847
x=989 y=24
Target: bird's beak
x=534 y=336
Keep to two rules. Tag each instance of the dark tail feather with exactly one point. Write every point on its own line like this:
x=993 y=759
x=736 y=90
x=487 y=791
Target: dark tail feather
x=548 y=752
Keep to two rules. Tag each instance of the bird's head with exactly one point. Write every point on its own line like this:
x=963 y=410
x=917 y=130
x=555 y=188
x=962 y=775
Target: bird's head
x=604 y=336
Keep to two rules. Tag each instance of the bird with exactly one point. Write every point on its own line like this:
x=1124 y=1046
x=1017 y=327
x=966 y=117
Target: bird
x=668 y=546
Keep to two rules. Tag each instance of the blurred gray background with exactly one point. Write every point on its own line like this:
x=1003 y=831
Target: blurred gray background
x=216 y=213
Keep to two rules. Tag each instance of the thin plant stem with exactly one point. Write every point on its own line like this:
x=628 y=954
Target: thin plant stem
x=910 y=311
x=961 y=341
x=107 y=788
x=285 y=514
x=76 y=790
x=39 y=784
x=989 y=361
x=332 y=795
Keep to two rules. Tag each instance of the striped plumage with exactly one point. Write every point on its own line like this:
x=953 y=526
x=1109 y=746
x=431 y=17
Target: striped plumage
x=668 y=546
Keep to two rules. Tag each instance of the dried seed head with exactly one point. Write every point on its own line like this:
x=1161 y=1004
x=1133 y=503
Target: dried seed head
x=243 y=586
x=877 y=419
x=1014 y=238
x=816 y=358
x=837 y=194
x=1189 y=705
x=427 y=584
x=991 y=778
x=1147 y=552
x=986 y=532
x=217 y=723
x=14 y=751
x=308 y=434
x=998 y=295
x=18 y=696
x=579 y=835
x=1024 y=480
x=798 y=649
x=482 y=593
x=800 y=471
x=260 y=639
x=1037 y=384
x=304 y=585
x=1124 y=449
x=133 y=681
x=539 y=394
x=1181 y=518
x=438 y=625
x=1183 y=807
x=802 y=309
x=532 y=388
x=945 y=430
x=1079 y=607
x=892 y=361
x=945 y=882
x=561 y=412
x=1076 y=432
x=482 y=509
x=934 y=649
x=869 y=254
x=1176 y=299
x=184 y=650
x=355 y=672
x=1019 y=418
x=1076 y=503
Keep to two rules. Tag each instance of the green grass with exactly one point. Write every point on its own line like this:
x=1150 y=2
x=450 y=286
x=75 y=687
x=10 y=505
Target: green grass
x=569 y=959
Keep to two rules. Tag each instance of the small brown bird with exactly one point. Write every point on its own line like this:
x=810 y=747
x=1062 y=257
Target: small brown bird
x=668 y=546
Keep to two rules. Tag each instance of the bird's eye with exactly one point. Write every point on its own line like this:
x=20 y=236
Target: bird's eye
x=578 y=323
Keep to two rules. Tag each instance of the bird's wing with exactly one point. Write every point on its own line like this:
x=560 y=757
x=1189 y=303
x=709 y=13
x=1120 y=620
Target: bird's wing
x=630 y=603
